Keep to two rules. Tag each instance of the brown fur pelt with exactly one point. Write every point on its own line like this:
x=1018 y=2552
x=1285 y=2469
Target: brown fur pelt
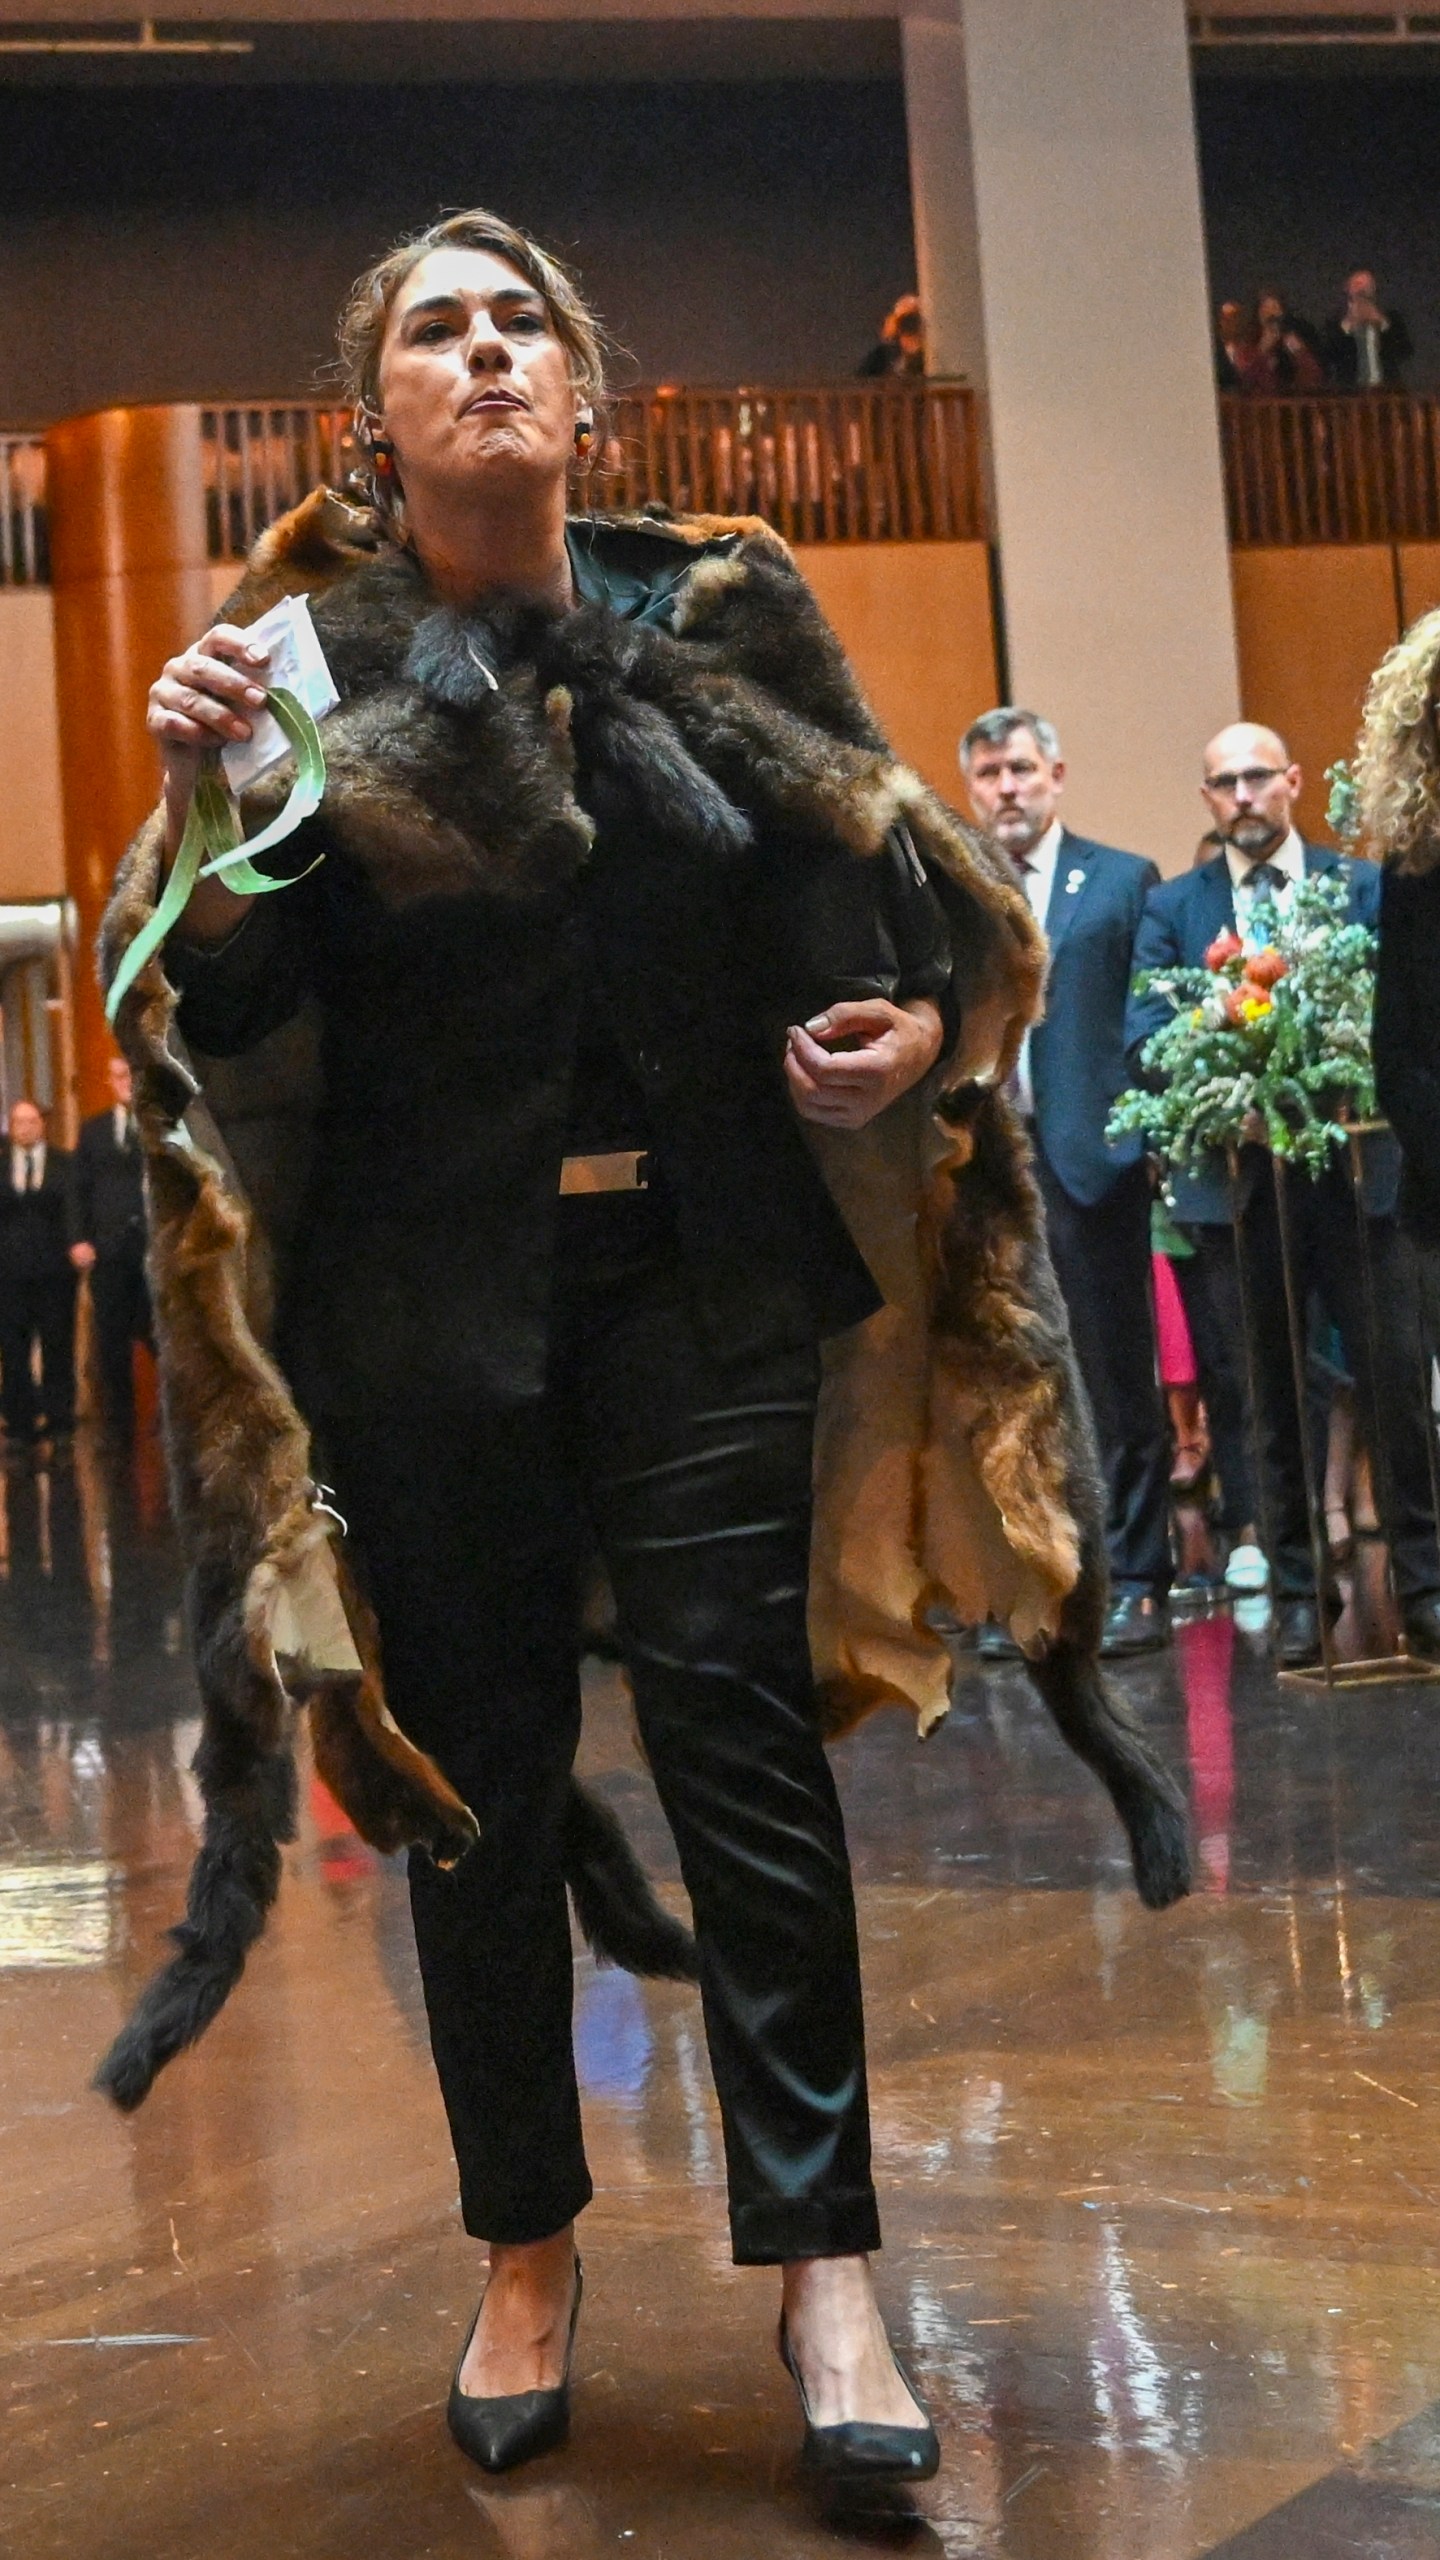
x=452 y=758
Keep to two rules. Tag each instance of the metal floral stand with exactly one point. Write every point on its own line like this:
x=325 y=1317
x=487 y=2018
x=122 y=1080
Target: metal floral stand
x=1330 y=1672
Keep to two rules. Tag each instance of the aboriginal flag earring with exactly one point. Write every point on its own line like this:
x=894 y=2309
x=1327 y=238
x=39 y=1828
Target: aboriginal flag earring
x=584 y=436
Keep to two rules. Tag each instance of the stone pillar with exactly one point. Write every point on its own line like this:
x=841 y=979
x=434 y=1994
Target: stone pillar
x=1074 y=140
x=942 y=197
x=125 y=491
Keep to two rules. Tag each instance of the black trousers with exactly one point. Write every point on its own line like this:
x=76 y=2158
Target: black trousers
x=1390 y=1392
x=694 y=1479
x=1101 y=1255
x=43 y=1311
x=120 y=1303
x=1211 y=1303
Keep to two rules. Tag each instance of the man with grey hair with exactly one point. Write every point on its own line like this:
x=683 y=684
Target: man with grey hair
x=1089 y=898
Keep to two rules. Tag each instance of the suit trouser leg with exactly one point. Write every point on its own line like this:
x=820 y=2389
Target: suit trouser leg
x=467 y=1527
x=120 y=1307
x=1282 y=1456
x=698 y=1477
x=1390 y=1389
x=1209 y=1284
x=17 y=1386
x=55 y=1324
x=1101 y=1255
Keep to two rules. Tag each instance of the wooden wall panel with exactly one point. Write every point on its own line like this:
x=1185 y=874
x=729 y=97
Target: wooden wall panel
x=916 y=619
x=1419 y=573
x=32 y=828
x=131 y=584
x=1310 y=626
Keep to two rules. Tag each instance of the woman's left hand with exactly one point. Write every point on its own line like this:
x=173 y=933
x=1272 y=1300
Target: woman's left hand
x=849 y=1064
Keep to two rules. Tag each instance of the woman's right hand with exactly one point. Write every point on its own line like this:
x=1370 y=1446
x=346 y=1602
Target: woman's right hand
x=203 y=698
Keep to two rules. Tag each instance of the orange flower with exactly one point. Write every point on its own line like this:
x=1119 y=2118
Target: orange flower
x=1266 y=968
x=1246 y=1003
x=1226 y=946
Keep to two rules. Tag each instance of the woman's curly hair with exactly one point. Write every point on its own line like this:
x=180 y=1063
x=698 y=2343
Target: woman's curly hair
x=1397 y=765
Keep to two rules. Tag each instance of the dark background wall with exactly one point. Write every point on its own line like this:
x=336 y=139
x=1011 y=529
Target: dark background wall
x=191 y=243
x=1308 y=178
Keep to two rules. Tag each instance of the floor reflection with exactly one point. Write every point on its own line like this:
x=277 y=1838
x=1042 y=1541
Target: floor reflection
x=1159 y=2196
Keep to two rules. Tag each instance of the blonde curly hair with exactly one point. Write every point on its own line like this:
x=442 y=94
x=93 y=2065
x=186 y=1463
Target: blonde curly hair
x=1397 y=764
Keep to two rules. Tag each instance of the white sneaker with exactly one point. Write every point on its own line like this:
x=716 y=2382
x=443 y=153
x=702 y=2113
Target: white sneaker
x=1247 y=1570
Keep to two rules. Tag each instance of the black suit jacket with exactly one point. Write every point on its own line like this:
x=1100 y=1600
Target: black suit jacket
x=108 y=1190
x=1181 y=919
x=1342 y=354
x=1407 y=1038
x=1077 y=1053
x=35 y=1228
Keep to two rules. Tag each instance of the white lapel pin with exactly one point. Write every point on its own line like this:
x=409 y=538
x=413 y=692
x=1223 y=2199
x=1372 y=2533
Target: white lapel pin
x=1075 y=881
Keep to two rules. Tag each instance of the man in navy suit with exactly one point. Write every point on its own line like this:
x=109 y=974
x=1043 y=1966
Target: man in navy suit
x=1089 y=898
x=1251 y=784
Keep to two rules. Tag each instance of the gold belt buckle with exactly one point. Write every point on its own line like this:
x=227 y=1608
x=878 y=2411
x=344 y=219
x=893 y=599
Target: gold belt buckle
x=627 y=1170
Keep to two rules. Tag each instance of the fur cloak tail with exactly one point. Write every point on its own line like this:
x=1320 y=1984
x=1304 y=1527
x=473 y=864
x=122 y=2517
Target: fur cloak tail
x=237 y=1875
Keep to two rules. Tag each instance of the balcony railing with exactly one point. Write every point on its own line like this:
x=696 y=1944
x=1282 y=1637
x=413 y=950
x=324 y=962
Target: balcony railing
x=872 y=462
x=1332 y=467
x=24 y=548
x=883 y=462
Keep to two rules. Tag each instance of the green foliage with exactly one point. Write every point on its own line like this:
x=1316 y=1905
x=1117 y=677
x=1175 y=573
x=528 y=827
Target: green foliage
x=1342 y=809
x=1295 y=1051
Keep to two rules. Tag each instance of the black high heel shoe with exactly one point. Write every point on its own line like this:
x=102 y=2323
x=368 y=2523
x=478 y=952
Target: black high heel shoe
x=859 y=2450
x=500 y=2432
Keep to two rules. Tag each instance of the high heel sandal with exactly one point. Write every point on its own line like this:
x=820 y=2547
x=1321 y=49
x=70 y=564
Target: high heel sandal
x=499 y=2432
x=858 y=2449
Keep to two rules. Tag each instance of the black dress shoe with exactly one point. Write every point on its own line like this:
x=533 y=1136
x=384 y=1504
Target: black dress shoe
x=1297 y=1632
x=498 y=2433
x=858 y=2450
x=996 y=1644
x=1421 y=1622
x=1138 y=1623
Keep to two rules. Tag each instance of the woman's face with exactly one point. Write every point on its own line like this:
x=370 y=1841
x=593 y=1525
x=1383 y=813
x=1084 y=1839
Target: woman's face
x=474 y=384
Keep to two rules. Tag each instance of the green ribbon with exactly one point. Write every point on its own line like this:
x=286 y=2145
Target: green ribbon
x=213 y=826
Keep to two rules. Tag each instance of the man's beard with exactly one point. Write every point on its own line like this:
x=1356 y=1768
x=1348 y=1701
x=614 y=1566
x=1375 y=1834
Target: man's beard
x=1255 y=837
x=1020 y=838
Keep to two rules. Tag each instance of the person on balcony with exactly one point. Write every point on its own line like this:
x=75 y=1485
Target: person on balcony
x=588 y=1026
x=1088 y=898
x=1234 y=339
x=1366 y=347
x=900 y=349
x=1282 y=355
x=1251 y=785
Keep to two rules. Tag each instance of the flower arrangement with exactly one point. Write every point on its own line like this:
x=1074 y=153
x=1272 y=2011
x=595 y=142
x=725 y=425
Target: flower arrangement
x=1277 y=1028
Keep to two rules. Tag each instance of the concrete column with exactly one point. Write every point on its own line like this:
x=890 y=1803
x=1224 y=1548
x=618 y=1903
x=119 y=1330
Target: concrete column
x=131 y=580
x=1114 y=563
x=942 y=196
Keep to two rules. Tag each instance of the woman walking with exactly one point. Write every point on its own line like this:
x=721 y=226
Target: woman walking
x=588 y=950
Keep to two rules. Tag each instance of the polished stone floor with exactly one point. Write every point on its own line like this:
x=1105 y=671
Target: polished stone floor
x=1160 y=2194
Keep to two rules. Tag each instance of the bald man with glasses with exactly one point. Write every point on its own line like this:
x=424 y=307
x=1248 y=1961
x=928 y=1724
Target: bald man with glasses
x=1250 y=785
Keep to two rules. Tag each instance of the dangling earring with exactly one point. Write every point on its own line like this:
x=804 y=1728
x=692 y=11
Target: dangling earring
x=584 y=436
x=382 y=457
